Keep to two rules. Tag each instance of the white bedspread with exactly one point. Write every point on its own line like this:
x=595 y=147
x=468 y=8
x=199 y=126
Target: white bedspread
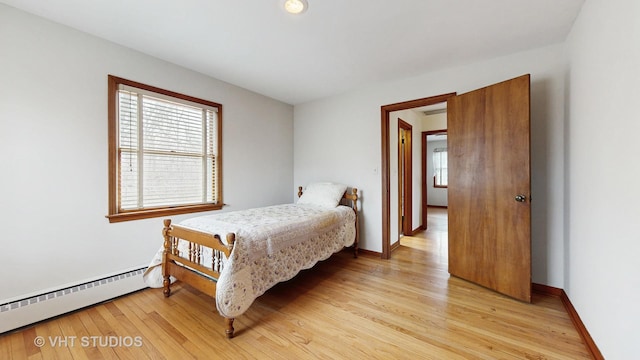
x=272 y=245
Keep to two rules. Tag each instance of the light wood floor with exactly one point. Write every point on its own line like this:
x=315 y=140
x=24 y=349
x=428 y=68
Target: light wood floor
x=344 y=308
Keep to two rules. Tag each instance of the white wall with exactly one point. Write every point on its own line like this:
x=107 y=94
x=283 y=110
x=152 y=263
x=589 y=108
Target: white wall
x=340 y=138
x=603 y=173
x=434 y=122
x=53 y=140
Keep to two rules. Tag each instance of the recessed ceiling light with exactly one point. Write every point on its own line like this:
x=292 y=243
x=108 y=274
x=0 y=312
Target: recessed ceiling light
x=295 y=6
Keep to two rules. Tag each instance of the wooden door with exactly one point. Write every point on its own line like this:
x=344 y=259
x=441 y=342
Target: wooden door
x=405 y=178
x=490 y=187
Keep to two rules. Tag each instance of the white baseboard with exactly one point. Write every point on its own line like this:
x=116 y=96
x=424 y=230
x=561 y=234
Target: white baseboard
x=30 y=309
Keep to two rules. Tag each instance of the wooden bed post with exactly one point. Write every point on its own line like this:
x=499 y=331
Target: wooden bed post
x=299 y=191
x=231 y=240
x=354 y=203
x=166 y=283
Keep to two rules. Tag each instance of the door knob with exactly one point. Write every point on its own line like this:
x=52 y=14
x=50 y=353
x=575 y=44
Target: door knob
x=521 y=198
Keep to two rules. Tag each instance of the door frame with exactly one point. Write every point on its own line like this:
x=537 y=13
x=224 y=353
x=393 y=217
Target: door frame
x=385 y=110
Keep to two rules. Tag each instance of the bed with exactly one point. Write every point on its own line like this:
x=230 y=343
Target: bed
x=236 y=256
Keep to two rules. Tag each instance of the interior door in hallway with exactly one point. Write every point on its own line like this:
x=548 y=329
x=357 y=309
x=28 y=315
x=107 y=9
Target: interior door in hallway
x=490 y=187
x=405 y=178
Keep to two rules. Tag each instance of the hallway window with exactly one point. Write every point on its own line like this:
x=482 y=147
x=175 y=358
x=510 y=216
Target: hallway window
x=440 y=168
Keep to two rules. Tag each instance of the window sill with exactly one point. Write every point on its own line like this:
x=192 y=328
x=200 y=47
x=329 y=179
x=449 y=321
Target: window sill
x=151 y=213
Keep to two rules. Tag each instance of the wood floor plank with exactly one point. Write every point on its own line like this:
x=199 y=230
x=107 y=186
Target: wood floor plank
x=154 y=340
x=406 y=307
x=74 y=335
x=75 y=327
x=13 y=347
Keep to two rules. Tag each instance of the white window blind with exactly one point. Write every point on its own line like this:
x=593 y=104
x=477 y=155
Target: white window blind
x=167 y=151
x=440 y=167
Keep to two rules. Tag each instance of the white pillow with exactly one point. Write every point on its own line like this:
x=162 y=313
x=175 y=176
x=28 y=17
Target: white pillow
x=323 y=194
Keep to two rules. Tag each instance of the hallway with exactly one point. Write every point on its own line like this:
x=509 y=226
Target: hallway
x=434 y=240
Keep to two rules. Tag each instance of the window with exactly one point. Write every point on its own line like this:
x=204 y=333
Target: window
x=164 y=152
x=440 y=168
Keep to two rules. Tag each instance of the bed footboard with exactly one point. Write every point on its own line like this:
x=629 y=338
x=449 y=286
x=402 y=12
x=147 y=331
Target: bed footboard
x=189 y=267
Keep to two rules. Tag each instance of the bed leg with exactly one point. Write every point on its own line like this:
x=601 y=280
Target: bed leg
x=229 y=330
x=166 y=283
x=356 y=243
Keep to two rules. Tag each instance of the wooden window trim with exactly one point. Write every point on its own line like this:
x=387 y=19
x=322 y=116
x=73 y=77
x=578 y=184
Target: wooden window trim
x=435 y=175
x=117 y=215
x=438 y=186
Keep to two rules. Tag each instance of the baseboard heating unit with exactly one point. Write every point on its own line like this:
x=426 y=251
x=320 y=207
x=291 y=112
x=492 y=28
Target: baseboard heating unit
x=16 y=313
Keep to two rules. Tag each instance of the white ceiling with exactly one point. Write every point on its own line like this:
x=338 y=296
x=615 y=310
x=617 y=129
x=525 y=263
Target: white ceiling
x=334 y=46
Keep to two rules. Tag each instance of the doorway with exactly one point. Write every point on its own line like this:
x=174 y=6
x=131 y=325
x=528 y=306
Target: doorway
x=386 y=161
x=433 y=191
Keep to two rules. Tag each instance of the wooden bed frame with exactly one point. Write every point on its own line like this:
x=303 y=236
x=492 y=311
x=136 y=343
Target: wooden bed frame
x=204 y=278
